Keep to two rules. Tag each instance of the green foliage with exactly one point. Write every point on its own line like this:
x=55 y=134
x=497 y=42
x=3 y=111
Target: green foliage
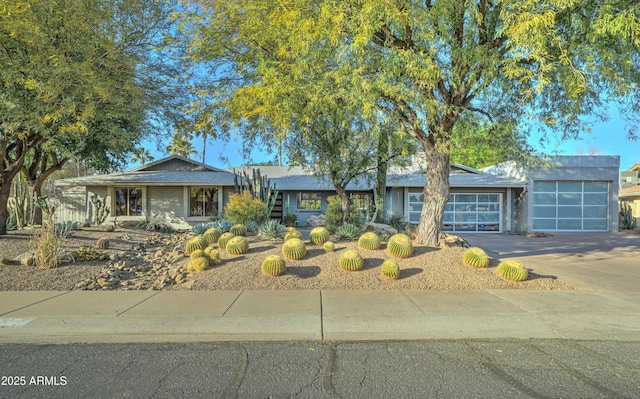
x=425 y=66
x=211 y=236
x=274 y=265
x=400 y=246
x=626 y=213
x=48 y=245
x=194 y=244
x=19 y=206
x=244 y=208
x=259 y=187
x=252 y=226
x=333 y=214
x=271 y=230
x=351 y=261
x=396 y=221
x=237 y=246
x=369 y=240
x=238 y=230
x=328 y=246
x=512 y=270
x=476 y=257
x=100 y=209
x=319 y=235
x=390 y=269
x=88 y=254
x=290 y=219
x=347 y=232
x=224 y=240
x=294 y=249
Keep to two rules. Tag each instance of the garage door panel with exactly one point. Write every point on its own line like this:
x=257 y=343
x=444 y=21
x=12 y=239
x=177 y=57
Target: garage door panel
x=571 y=205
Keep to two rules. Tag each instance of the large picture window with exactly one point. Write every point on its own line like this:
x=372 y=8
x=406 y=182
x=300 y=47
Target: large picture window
x=203 y=201
x=128 y=201
x=309 y=201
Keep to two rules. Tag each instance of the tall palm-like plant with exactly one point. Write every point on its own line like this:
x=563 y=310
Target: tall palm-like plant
x=142 y=155
x=181 y=145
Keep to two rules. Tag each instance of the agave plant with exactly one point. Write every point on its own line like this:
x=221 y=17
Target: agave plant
x=347 y=232
x=271 y=230
x=223 y=225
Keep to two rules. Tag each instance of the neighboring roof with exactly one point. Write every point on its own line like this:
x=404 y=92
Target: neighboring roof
x=154 y=178
x=633 y=191
x=634 y=167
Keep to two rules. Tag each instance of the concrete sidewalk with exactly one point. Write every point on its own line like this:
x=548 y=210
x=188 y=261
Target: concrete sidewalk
x=327 y=315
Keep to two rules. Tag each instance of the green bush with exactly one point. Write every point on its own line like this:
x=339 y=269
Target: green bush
x=333 y=214
x=244 y=208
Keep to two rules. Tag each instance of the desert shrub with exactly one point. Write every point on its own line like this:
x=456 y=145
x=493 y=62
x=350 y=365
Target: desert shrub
x=65 y=228
x=271 y=230
x=158 y=223
x=48 y=246
x=89 y=254
x=397 y=222
x=244 y=208
x=347 y=232
x=333 y=214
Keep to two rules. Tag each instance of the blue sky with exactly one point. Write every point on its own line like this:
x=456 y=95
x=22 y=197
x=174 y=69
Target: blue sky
x=606 y=138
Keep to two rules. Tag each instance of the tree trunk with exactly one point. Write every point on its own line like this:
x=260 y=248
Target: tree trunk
x=436 y=195
x=344 y=200
x=381 y=177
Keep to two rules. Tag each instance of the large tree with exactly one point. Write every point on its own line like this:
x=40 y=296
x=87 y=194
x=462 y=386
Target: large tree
x=77 y=81
x=427 y=64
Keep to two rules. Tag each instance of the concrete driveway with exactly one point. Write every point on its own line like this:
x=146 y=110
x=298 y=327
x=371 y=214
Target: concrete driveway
x=593 y=261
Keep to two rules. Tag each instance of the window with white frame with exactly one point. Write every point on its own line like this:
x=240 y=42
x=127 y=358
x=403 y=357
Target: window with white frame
x=464 y=212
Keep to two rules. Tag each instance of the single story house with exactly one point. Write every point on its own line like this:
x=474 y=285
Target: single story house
x=579 y=193
x=629 y=193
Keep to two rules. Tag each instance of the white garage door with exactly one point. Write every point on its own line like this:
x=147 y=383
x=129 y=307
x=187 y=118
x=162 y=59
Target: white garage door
x=465 y=212
x=570 y=205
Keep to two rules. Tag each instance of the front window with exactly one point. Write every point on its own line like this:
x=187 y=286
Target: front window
x=309 y=201
x=128 y=201
x=203 y=201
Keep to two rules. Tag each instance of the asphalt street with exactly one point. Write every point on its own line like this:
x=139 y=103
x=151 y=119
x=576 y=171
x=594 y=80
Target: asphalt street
x=501 y=368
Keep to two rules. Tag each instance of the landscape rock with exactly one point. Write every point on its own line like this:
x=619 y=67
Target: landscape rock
x=380 y=228
x=316 y=221
x=452 y=240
